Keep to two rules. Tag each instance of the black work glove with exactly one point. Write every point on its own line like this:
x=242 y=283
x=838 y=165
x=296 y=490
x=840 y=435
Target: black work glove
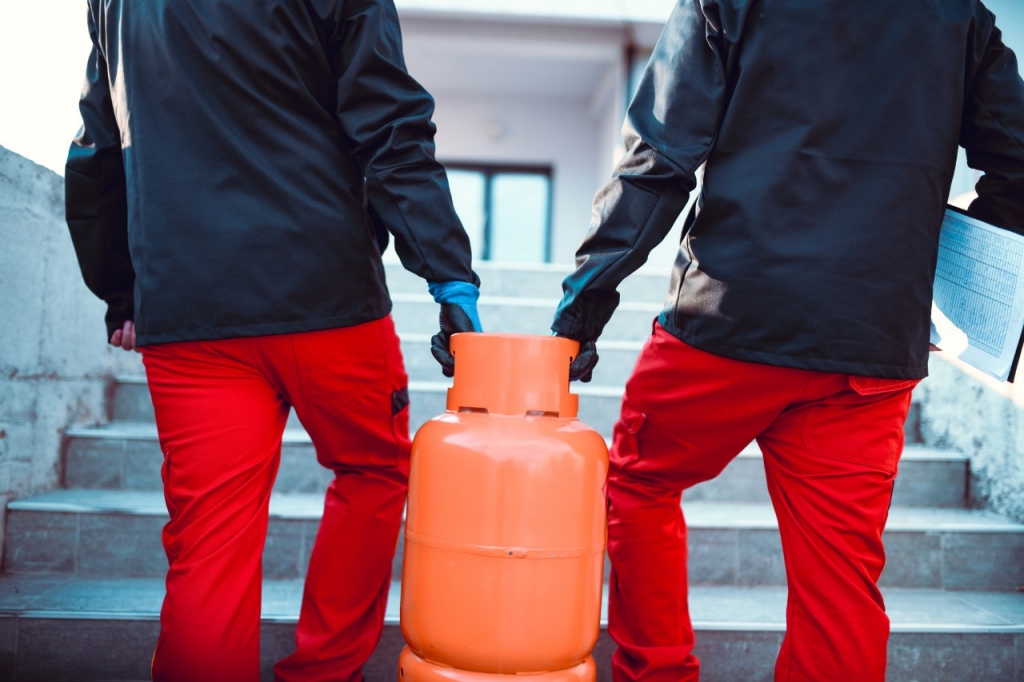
x=582 y=366
x=453 y=320
x=458 y=314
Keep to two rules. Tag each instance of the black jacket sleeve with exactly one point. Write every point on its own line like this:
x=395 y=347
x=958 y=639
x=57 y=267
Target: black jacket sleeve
x=669 y=130
x=992 y=131
x=95 y=196
x=387 y=116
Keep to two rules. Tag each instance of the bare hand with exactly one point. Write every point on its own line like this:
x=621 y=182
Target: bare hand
x=124 y=337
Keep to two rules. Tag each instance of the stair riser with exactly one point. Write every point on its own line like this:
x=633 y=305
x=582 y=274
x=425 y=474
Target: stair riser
x=123 y=464
x=123 y=545
x=613 y=367
x=132 y=403
x=512 y=282
x=419 y=317
x=94 y=650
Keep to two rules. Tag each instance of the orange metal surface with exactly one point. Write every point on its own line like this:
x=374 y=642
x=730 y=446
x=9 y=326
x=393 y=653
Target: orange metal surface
x=513 y=374
x=412 y=668
x=505 y=529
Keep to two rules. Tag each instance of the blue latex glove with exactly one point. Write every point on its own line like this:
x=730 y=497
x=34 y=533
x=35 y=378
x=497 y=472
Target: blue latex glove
x=458 y=314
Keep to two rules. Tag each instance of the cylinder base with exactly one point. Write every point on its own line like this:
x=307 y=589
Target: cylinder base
x=412 y=668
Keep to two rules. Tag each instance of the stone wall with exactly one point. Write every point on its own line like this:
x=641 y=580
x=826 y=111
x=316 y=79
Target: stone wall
x=54 y=363
x=55 y=366
x=963 y=409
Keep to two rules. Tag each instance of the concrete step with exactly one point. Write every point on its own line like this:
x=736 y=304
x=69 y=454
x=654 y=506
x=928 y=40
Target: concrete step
x=534 y=281
x=127 y=456
x=599 y=405
x=417 y=313
x=117 y=534
x=74 y=628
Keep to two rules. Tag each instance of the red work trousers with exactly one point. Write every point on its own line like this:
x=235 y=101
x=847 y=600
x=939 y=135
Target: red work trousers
x=831 y=443
x=221 y=408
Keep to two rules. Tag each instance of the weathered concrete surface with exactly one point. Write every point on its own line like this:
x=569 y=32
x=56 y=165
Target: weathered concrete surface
x=54 y=363
x=970 y=412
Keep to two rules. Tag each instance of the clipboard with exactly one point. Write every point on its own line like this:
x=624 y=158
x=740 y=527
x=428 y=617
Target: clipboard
x=979 y=289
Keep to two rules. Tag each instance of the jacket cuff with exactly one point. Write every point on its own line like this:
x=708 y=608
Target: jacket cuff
x=119 y=311
x=570 y=327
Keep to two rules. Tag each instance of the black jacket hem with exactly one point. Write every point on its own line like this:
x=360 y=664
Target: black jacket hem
x=262 y=328
x=794 y=361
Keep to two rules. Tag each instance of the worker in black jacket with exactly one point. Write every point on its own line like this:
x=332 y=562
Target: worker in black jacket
x=798 y=313
x=240 y=168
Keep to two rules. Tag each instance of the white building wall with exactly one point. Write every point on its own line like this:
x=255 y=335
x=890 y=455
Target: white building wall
x=521 y=130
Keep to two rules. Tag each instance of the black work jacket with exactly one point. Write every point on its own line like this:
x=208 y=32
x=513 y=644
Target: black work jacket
x=830 y=131
x=241 y=164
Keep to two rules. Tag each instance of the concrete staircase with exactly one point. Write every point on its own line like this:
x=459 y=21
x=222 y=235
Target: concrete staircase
x=81 y=586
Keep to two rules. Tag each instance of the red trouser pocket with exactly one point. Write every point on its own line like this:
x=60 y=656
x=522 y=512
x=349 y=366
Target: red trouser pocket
x=626 y=448
x=863 y=425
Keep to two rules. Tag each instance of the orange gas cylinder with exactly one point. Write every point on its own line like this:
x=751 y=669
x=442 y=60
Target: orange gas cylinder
x=505 y=530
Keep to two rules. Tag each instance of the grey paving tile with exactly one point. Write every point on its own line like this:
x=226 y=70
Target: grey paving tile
x=1004 y=607
x=1019 y=666
x=730 y=543
x=738 y=634
x=713 y=557
x=62 y=649
x=281 y=599
x=94 y=463
x=424 y=406
x=394 y=606
x=912 y=560
x=300 y=472
x=40 y=543
x=983 y=561
x=931 y=483
x=137 y=596
x=121 y=545
x=297 y=506
x=540 y=280
x=961 y=657
x=282 y=554
x=8 y=647
x=710 y=606
x=728 y=516
x=77 y=500
x=131 y=401
x=955 y=549
x=396 y=563
x=730 y=656
x=760 y=559
x=309 y=533
x=909 y=608
x=138 y=460
x=415 y=313
x=958 y=520
x=277 y=640
x=600 y=412
x=18 y=592
x=742 y=481
x=923 y=482
x=142 y=463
